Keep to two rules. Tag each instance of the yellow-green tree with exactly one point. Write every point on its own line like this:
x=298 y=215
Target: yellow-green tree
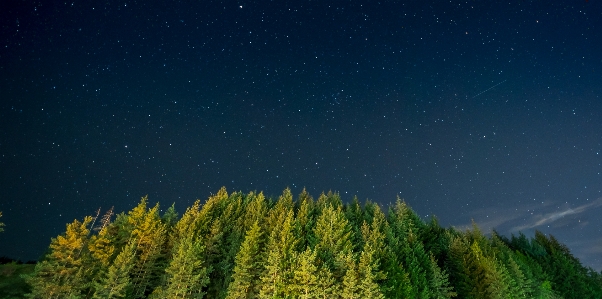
x=149 y=235
x=248 y=266
x=187 y=274
x=116 y=282
x=60 y=273
x=306 y=279
x=277 y=276
x=333 y=237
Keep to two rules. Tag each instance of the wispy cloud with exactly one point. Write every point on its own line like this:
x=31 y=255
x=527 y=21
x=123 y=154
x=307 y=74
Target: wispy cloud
x=512 y=220
x=549 y=218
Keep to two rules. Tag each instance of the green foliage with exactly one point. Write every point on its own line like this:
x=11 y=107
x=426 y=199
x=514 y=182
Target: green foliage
x=246 y=246
x=116 y=282
x=149 y=235
x=170 y=217
x=333 y=237
x=186 y=275
x=278 y=273
x=248 y=267
x=306 y=276
x=60 y=274
x=12 y=283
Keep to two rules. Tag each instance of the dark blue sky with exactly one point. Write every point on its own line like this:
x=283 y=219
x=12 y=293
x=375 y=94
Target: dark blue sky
x=468 y=110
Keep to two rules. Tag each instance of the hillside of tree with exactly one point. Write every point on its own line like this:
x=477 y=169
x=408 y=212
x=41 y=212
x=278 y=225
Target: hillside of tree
x=248 y=246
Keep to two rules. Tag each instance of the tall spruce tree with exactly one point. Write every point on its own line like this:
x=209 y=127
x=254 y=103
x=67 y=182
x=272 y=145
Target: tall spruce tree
x=333 y=237
x=115 y=282
x=306 y=218
x=306 y=276
x=355 y=215
x=351 y=284
x=278 y=273
x=187 y=275
x=368 y=275
x=99 y=257
x=248 y=267
x=439 y=285
x=225 y=233
x=170 y=217
x=150 y=235
x=60 y=273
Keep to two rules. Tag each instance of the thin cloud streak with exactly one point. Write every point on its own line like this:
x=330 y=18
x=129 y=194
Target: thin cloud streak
x=549 y=218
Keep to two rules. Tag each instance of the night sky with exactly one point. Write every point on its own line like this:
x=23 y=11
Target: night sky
x=467 y=110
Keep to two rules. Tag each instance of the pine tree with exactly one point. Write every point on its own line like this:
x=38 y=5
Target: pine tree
x=248 y=267
x=170 y=217
x=214 y=243
x=460 y=266
x=368 y=276
x=256 y=209
x=99 y=257
x=277 y=276
x=306 y=279
x=373 y=236
x=405 y=242
x=355 y=215
x=237 y=213
x=351 y=288
x=187 y=274
x=435 y=240
x=149 y=235
x=60 y=274
x=333 y=236
x=283 y=205
x=101 y=248
x=306 y=218
x=187 y=225
x=328 y=285
x=439 y=285
x=116 y=283
x=397 y=283
x=331 y=199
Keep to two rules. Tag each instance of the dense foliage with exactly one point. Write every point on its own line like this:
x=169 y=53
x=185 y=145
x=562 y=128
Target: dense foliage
x=247 y=246
x=12 y=285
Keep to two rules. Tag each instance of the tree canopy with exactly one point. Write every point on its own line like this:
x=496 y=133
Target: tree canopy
x=248 y=246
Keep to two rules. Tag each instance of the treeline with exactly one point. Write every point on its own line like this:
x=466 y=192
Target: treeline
x=247 y=246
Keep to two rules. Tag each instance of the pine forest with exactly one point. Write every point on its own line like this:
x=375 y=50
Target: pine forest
x=248 y=246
